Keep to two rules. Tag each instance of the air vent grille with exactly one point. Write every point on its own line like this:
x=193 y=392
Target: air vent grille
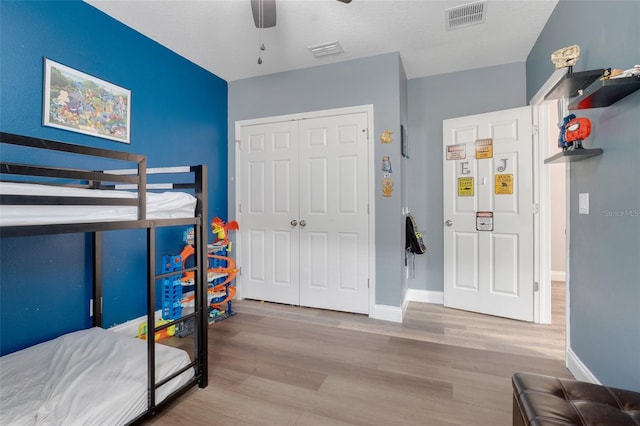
x=465 y=15
x=326 y=49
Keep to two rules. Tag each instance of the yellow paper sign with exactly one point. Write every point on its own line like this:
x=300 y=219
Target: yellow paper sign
x=484 y=148
x=504 y=184
x=465 y=187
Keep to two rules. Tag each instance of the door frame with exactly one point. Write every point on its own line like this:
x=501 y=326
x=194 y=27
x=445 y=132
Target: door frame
x=542 y=246
x=367 y=109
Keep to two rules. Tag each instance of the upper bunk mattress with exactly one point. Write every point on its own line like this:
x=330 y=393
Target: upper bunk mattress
x=165 y=205
x=88 y=377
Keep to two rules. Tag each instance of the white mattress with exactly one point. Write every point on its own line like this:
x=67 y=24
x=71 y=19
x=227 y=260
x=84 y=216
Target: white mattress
x=88 y=377
x=165 y=205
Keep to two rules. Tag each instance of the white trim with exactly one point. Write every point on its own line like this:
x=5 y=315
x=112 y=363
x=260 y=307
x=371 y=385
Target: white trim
x=387 y=313
x=542 y=249
x=553 y=79
x=425 y=296
x=578 y=369
x=558 y=276
x=367 y=109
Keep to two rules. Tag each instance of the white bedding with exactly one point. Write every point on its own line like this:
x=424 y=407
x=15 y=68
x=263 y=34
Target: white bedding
x=88 y=377
x=165 y=205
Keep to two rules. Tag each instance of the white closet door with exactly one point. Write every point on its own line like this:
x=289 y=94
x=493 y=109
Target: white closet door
x=333 y=225
x=268 y=204
x=304 y=212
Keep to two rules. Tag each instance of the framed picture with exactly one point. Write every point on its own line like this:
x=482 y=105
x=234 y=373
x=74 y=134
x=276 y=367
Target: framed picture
x=404 y=143
x=82 y=103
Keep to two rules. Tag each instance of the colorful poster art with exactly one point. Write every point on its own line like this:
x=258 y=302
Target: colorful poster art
x=82 y=103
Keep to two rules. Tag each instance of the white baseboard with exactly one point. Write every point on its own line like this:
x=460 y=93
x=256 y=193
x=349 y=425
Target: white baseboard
x=425 y=296
x=396 y=313
x=578 y=369
x=387 y=313
x=558 y=276
x=130 y=328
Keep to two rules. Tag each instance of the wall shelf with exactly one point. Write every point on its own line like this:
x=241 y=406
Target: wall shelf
x=573 y=155
x=603 y=93
x=571 y=82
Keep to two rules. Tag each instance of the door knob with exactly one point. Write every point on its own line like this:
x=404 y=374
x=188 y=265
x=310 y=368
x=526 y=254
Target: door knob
x=303 y=223
x=294 y=222
x=449 y=223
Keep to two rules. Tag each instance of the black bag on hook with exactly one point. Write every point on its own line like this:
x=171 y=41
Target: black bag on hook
x=414 y=242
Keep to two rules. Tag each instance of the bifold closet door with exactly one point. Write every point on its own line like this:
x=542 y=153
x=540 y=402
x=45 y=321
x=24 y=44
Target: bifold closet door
x=304 y=212
x=333 y=205
x=268 y=207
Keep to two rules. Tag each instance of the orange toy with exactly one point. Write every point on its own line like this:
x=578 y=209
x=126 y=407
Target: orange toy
x=221 y=229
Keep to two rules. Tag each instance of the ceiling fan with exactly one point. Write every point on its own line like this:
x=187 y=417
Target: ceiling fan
x=264 y=12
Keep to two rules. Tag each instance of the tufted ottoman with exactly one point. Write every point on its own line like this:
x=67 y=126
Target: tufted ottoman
x=548 y=401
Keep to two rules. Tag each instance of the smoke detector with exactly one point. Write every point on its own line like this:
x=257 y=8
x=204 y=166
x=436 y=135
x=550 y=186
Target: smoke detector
x=465 y=15
x=326 y=49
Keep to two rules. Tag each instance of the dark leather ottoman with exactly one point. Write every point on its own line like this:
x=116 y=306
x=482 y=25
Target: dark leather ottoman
x=548 y=401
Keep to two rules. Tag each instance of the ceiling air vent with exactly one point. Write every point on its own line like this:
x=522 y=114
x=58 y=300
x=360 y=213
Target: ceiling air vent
x=326 y=49
x=465 y=15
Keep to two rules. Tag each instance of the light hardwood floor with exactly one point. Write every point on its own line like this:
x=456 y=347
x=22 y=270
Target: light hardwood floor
x=282 y=365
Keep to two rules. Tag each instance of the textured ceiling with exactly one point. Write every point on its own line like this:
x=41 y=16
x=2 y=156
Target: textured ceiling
x=220 y=36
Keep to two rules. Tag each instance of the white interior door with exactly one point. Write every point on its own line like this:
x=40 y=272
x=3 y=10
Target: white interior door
x=268 y=204
x=333 y=213
x=304 y=220
x=488 y=212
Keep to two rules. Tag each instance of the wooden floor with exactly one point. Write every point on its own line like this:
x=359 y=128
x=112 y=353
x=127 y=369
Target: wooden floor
x=281 y=365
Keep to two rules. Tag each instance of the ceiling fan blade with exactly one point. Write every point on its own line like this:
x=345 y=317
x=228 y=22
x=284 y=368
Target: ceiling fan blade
x=264 y=13
x=345 y=1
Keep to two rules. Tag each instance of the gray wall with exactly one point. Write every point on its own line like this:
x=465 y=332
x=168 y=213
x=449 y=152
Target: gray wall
x=375 y=80
x=431 y=100
x=604 y=264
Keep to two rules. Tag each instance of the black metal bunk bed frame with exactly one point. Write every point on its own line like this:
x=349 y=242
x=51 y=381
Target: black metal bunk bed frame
x=95 y=179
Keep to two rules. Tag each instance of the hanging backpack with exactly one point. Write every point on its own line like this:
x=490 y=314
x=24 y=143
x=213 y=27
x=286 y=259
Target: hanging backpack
x=414 y=242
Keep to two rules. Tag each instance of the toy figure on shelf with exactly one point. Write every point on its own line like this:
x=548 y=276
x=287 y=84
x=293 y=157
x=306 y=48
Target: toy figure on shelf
x=573 y=131
x=577 y=130
x=221 y=230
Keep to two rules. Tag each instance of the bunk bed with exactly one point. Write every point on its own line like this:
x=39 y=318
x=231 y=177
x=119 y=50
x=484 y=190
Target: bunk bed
x=97 y=376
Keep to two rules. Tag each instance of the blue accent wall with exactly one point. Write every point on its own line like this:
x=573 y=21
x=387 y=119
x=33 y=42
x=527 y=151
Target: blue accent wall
x=178 y=117
x=604 y=246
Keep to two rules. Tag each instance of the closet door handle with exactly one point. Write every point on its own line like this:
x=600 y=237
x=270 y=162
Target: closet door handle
x=449 y=223
x=294 y=222
x=303 y=223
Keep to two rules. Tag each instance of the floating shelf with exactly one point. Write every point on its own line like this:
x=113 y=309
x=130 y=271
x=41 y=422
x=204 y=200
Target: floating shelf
x=569 y=85
x=573 y=155
x=603 y=93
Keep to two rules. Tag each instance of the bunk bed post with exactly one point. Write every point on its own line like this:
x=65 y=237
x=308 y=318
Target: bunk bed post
x=96 y=239
x=151 y=323
x=201 y=291
x=142 y=189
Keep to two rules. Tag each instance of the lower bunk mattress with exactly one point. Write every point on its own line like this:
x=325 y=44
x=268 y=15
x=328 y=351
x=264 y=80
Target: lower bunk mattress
x=88 y=377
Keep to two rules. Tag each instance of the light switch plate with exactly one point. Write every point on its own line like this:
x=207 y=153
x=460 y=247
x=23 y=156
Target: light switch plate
x=583 y=203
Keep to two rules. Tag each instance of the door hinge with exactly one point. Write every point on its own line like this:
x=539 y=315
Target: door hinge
x=536 y=287
x=536 y=208
x=534 y=129
x=239 y=208
x=367 y=282
x=367 y=208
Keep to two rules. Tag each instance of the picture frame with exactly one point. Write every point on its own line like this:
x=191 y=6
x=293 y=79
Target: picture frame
x=82 y=103
x=404 y=143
